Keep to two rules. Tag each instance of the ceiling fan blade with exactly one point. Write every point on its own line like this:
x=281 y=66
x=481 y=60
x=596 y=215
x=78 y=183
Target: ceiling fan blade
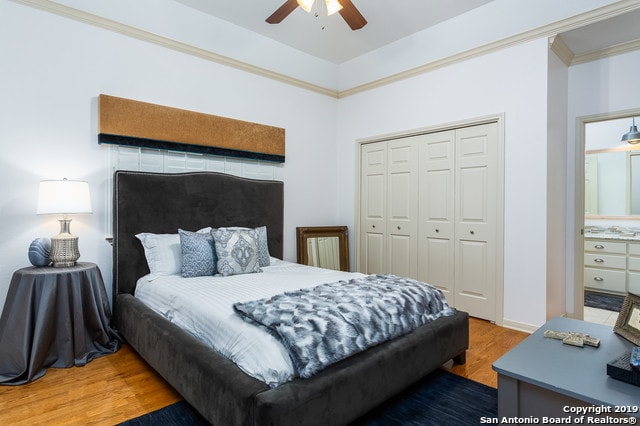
x=282 y=12
x=352 y=15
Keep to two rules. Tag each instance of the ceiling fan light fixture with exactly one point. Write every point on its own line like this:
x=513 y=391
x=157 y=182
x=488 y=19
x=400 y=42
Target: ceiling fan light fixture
x=633 y=136
x=347 y=9
x=332 y=6
x=306 y=5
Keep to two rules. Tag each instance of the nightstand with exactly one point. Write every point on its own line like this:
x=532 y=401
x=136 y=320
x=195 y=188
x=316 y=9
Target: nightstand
x=54 y=317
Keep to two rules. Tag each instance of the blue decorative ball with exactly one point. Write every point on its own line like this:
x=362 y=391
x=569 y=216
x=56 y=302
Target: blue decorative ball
x=39 y=251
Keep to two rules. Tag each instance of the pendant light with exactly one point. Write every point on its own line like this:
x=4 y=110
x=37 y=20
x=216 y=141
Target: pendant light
x=633 y=136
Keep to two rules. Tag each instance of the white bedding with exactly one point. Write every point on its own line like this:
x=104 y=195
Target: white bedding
x=203 y=306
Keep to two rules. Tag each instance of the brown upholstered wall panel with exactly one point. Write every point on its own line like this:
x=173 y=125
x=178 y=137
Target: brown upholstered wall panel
x=134 y=123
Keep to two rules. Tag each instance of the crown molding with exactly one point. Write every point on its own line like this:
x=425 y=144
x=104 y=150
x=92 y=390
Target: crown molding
x=607 y=52
x=169 y=43
x=549 y=31
x=562 y=51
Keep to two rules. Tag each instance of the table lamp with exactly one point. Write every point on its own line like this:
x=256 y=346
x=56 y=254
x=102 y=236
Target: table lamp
x=64 y=197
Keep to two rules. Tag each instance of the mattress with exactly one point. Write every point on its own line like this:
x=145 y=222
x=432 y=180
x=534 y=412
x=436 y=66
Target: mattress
x=203 y=306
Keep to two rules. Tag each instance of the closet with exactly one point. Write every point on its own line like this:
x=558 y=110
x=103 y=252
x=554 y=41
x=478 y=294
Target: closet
x=429 y=209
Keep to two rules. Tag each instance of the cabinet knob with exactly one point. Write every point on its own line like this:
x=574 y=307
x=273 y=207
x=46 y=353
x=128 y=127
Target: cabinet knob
x=472 y=232
x=398 y=228
x=598 y=279
x=599 y=246
x=373 y=226
x=437 y=230
x=598 y=260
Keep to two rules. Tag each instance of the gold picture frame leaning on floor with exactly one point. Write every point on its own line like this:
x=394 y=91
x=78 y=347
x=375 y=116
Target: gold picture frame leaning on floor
x=628 y=322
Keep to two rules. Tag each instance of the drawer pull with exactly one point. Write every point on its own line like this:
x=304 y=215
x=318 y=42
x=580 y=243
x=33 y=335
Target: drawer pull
x=598 y=260
x=598 y=279
x=599 y=246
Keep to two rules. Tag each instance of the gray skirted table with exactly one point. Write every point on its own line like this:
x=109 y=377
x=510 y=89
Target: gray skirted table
x=54 y=317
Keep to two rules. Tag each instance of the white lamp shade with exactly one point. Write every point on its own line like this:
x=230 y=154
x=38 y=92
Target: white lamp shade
x=306 y=4
x=332 y=6
x=64 y=197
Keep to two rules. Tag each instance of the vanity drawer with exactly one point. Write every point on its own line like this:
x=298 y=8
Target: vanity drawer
x=599 y=246
x=605 y=260
x=634 y=249
x=634 y=263
x=605 y=279
x=633 y=282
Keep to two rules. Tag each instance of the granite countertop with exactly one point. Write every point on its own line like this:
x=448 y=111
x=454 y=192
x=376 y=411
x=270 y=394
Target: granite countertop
x=607 y=234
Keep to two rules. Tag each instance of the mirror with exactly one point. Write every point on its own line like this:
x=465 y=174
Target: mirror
x=323 y=246
x=607 y=183
x=612 y=171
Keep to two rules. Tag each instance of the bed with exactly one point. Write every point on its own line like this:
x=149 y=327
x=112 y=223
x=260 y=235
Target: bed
x=211 y=383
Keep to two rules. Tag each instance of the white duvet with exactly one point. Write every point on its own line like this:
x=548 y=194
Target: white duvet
x=203 y=306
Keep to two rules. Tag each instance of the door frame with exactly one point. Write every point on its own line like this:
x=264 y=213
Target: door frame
x=578 y=231
x=499 y=119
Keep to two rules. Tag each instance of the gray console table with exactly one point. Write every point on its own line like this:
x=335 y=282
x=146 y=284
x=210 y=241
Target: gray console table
x=53 y=317
x=544 y=377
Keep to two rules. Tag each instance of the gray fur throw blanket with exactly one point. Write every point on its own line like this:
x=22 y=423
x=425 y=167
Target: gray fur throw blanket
x=324 y=324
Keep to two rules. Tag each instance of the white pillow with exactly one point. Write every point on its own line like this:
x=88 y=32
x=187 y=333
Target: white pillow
x=163 y=253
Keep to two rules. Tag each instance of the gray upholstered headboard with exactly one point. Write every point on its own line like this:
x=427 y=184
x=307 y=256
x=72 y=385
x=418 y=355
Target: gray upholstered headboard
x=164 y=202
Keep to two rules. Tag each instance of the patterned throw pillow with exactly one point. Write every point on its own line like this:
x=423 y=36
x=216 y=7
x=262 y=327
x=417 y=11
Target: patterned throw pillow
x=264 y=258
x=198 y=254
x=237 y=251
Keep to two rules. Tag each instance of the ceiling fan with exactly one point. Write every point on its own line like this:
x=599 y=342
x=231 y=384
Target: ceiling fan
x=347 y=10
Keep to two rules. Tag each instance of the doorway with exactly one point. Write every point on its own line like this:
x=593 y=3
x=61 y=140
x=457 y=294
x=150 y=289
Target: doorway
x=607 y=223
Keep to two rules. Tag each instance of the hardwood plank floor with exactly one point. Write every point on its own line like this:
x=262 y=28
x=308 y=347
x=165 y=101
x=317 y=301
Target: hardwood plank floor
x=487 y=343
x=121 y=386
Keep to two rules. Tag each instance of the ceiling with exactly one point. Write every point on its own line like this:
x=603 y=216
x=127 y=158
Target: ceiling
x=604 y=34
x=329 y=37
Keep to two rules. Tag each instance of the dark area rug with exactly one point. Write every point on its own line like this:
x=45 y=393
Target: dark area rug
x=441 y=398
x=178 y=414
x=608 y=302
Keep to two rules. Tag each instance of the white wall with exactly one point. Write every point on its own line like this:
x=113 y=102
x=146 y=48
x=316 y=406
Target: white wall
x=53 y=69
x=557 y=99
x=512 y=81
x=490 y=23
x=496 y=20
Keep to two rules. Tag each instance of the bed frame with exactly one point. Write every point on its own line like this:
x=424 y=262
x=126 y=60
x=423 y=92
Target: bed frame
x=212 y=384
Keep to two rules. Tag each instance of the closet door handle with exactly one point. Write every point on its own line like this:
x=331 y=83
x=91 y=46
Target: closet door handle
x=472 y=232
x=398 y=228
x=437 y=230
x=598 y=279
x=373 y=226
x=598 y=260
x=599 y=246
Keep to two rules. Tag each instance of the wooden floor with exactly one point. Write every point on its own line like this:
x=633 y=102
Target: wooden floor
x=121 y=386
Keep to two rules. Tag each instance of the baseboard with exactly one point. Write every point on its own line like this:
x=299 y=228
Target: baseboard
x=518 y=326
